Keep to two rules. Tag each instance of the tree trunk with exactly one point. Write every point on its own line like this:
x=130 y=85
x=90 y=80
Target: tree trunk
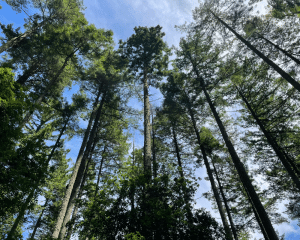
x=70 y=208
x=65 y=202
x=182 y=180
x=100 y=171
x=261 y=225
x=98 y=180
x=233 y=229
x=177 y=153
x=76 y=186
x=283 y=157
x=147 y=127
x=280 y=49
x=211 y=179
x=241 y=169
x=31 y=194
x=38 y=222
x=154 y=153
x=278 y=69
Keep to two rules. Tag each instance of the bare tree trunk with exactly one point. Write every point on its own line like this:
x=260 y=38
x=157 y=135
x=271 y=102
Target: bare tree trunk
x=177 y=152
x=285 y=160
x=100 y=171
x=65 y=202
x=233 y=229
x=98 y=180
x=180 y=169
x=278 y=69
x=258 y=219
x=263 y=216
x=147 y=127
x=211 y=179
x=66 y=220
x=81 y=169
x=154 y=153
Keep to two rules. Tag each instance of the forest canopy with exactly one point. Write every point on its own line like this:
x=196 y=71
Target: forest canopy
x=230 y=105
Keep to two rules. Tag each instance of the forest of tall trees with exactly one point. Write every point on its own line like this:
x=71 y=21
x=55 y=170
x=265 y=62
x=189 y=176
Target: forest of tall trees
x=231 y=105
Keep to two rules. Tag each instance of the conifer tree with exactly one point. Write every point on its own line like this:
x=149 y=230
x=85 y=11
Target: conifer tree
x=146 y=53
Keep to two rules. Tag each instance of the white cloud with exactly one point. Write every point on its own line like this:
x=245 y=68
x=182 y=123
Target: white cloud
x=123 y=16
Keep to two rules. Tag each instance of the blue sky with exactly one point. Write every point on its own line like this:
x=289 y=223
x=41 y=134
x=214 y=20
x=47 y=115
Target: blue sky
x=121 y=16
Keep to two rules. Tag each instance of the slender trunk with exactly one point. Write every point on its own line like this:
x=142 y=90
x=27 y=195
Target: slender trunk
x=154 y=154
x=147 y=127
x=258 y=219
x=38 y=222
x=65 y=202
x=211 y=179
x=278 y=69
x=69 y=209
x=98 y=180
x=52 y=83
x=31 y=194
x=78 y=179
x=100 y=171
x=233 y=229
x=285 y=160
x=241 y=169
x=177 y=153
x=132 y=192
x=280 y=49
x=180 y=169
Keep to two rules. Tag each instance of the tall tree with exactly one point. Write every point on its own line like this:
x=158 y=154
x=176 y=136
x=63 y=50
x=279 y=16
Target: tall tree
x=192 y=54
x=207 y=10
x=147 y=55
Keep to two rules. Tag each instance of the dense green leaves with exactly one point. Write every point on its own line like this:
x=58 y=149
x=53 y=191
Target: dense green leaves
x=227 y=105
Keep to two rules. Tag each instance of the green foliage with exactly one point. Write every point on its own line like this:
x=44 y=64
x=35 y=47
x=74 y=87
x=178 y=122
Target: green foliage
x=134 y=236
x=12 y=106
x=157 y=208
x=284 y=8
x=145 y=51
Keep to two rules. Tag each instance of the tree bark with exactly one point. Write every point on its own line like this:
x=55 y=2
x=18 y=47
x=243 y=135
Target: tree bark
x=285 y=160
x=258 y=219
x=70 y=208
x=278 y=69
x=100 y=171
x=263 y=216
x=177 y=153
x=147 y=127
x=65 y=202
x=233 y=229
x=211 y=179
x=81 y=169
x=98 y=180
x=184 y=189
x=153 y=151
